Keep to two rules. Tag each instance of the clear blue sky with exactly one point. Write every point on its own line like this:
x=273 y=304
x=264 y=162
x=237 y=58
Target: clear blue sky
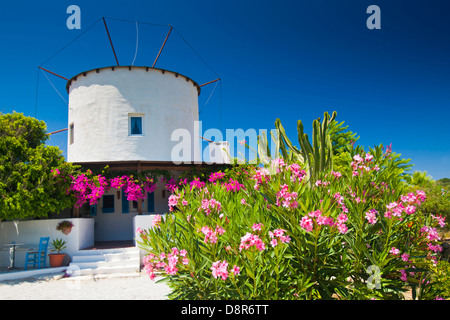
x=277 y=59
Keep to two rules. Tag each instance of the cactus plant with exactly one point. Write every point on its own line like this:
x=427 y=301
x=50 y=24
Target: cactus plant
x=318 y=156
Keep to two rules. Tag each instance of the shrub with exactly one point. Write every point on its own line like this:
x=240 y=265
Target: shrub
x=266 y=233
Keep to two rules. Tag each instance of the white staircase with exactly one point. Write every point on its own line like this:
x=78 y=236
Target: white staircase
x=105 y=261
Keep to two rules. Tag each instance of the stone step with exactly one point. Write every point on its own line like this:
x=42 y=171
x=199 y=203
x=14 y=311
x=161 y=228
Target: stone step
x=122 y=256
x=73 y=271
x=105 y=261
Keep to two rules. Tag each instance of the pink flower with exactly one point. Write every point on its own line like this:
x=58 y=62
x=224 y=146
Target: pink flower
x=342 y=218
x=307 y=224
x=250 y=240
x=404 y=276
x=173 y=200
x=236 y=270
x=156 y=221
x=440 y=219
x=405 y=257
x=184 y=202
x=257 y=227
x=394 y=251
x=342 y=228
x=219 y=269
x=410 y=209
x=216 y=176
x=273 y=242
x=371 y=216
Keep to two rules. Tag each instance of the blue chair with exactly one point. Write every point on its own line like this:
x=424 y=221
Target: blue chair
x=38 y=258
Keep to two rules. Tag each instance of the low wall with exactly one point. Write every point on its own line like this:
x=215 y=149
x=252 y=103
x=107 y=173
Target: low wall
x=29 y=232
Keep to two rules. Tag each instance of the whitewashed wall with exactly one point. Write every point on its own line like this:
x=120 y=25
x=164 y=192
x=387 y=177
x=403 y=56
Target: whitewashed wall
x=100 y=104
x=30 y=231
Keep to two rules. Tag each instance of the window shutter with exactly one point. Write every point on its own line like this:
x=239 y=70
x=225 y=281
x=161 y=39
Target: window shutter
x=93 y=210
x=151 y=202
x=125 y=203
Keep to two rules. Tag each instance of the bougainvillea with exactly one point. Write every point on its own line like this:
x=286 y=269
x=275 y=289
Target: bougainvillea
x=88 y=188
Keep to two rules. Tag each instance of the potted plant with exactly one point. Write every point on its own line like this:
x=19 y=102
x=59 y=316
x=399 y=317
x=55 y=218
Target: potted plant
x=56 y=259
x=65 y=227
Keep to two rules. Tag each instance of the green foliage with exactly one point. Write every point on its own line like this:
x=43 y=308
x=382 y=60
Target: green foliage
x=444 y=182
x=58 y=245
x=341 y=137
x=318 y=156
x=438 y=200
x=272 y=233
x=420 y=179
x=34 y=177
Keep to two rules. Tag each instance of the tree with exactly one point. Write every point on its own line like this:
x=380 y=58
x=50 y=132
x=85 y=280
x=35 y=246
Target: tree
x=444 y=182
x=34 y=177
x=341 y=137
x=420 y=179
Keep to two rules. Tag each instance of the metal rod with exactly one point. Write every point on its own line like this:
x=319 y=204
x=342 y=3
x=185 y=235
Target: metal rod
x=162 y=47
x=209 y=82
x=110 y=41
x=57 y=131
x=206 y=139
x=54 y=73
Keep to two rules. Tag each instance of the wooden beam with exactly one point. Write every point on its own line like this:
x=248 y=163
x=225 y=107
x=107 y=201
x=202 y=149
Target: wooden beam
x=210 y=82
x=162 y=47
x=110 y=41
x=54 y=73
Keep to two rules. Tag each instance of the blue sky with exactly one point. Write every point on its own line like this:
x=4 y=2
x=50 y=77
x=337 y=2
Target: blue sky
x=277 y=59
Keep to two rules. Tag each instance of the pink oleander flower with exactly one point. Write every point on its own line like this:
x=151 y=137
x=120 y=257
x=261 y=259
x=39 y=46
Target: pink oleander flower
x=342 y=227
x=278 y=234
x=342 y=218
x=432 y=233
x=440 y=219
x=250 y=240
x=257 y=227
x=236 y=270
x=156 y=221
x=307 y=224
x=404 y=276
x=394 y=251
x=243 y=201
x=209 y=206
x=371 y=216
x=184 y=202
x=410 y=209
x=219 y=269
x=405 y=257
x=173 y=200
x=285 y=198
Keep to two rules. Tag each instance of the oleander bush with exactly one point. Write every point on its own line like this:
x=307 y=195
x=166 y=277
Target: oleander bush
x=273 y=232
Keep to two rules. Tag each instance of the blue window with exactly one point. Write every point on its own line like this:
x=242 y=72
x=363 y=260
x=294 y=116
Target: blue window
x=135 y=125
x=108 y=204
x=93 y=210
